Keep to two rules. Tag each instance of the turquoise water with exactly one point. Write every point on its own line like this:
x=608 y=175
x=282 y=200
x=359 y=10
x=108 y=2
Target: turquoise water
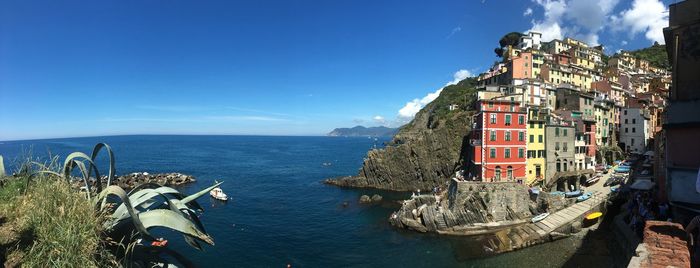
x=280 y=213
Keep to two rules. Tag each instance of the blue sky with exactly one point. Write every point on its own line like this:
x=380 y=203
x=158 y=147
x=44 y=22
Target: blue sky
x=86 y=68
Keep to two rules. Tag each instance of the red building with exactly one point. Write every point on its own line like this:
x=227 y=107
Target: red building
x=498 y=141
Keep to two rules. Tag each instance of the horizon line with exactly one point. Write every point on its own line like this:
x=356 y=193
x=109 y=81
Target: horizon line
x=126 y=135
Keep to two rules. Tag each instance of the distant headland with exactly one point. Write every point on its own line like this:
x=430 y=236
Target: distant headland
x=360 y=131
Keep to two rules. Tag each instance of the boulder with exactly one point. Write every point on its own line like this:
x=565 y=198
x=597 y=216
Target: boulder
x=376 y=198
x=365 y=199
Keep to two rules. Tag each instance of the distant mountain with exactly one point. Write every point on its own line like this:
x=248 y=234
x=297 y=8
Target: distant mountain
x=360 y=131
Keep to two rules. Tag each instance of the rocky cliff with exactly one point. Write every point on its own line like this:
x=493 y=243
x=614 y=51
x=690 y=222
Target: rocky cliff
x=427 y=151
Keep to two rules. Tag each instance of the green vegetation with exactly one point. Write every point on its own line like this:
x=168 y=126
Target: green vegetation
x=51 y=225
x=462 y=94
x=46 y=221
x=509 y=39
x=655 y=54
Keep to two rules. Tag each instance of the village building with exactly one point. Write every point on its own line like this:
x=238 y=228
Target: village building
x=498 y=141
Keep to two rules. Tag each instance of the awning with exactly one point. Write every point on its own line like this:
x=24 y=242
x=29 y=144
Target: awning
x=649 y=153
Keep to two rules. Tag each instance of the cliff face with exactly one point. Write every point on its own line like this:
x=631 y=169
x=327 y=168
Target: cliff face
x=426 y=152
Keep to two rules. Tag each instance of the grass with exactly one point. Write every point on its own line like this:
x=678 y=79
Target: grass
x=59 y=223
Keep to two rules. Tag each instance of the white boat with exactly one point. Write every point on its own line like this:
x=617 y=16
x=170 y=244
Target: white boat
x=540 y=217
x=218 y=194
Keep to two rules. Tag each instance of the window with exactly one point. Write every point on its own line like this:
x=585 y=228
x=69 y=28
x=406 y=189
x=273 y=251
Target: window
x=539 y=125
x=490 y=104
x=498 y=173
x=507 y=135
x=634 y=121
x=625 y=112
x=627 y=130
x=506 y=153
x=521 y=152
x=565 y=147
x=521 y=136
x=532 y=124
x=539 y=139
x=541 y=153
x=626 y=121
x=556 y=146
x=507 y=120
x=493 y=153
x=521 y=119
x=633 y=129
x=632 y=142
x=565 y=132
x=493 y=118
x=564 y=166
x=493 y=135
x=558 y=166
x=556 y=132
x=532 y=138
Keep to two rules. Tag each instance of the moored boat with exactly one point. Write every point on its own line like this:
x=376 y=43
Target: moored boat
x=573 y=193
x=540 y=217
x=594 y=215
x=218 y=194
x=584 y=197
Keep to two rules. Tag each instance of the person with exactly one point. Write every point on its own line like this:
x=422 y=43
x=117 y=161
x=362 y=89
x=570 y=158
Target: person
x=695 y=251
x=663 y=211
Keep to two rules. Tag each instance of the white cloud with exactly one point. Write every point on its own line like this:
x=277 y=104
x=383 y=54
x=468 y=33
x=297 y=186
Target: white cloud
x=624 y=42
x=581 y=19
x=412 y=107
x=379 y=119
x=459 y=76
x=454 y=31
x=527 y=12
x=550 y=25
x=645 y=16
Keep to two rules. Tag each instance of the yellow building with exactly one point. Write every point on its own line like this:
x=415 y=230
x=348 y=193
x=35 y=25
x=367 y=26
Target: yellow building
x=537 y=62
x=581 y=80
x=536 y=151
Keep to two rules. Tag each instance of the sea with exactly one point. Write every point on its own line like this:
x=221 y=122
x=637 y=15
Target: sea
x=280 y=213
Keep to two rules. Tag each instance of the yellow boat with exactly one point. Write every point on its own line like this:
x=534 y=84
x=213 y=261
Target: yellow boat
x=594 y=215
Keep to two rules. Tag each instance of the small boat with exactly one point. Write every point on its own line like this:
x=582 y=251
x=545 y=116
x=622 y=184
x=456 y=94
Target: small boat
x=535 y=190
x=218 y=194
x=327 y=164
x=557 y=193
x=594 y=215
x=540 y=217
x=593 y=179
x=614 y=189
x=573 y=193
x=584 y=197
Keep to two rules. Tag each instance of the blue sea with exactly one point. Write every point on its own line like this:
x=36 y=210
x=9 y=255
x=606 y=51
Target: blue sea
x=280 y=212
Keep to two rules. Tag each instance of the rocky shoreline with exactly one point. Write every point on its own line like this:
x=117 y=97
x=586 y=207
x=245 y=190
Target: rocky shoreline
x=129 y=181
x=470 y=208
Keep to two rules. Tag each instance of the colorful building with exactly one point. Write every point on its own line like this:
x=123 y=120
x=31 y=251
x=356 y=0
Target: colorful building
x=498 y=141
x=536 y=151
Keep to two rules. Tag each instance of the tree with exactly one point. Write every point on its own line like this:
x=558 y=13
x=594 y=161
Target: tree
x=509 y=39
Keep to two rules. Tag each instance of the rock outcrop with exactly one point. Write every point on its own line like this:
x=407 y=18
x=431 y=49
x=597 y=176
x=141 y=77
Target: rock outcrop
x=474 y=208
x=425 y=152
x=132 y=180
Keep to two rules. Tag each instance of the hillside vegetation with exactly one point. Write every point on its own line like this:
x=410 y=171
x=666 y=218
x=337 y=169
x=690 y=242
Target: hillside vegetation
x=655 y=54
x=425 y=152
